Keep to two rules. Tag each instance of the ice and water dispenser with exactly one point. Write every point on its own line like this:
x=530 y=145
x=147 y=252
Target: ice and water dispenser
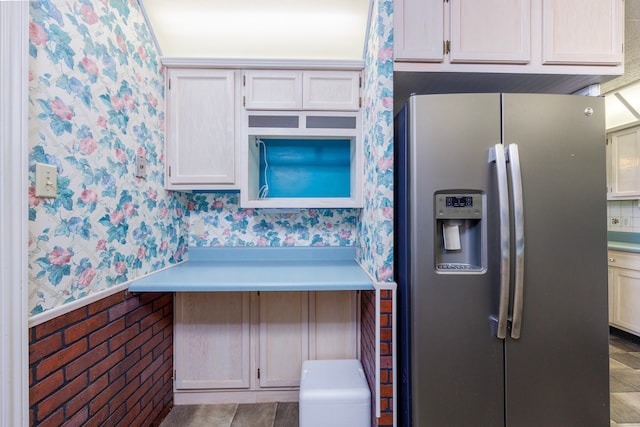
x=460 y=231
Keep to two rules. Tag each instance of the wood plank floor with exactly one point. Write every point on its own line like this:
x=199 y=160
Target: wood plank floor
x=624 y=363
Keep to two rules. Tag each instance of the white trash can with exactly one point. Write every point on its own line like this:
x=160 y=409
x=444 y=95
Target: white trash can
x=334 y=393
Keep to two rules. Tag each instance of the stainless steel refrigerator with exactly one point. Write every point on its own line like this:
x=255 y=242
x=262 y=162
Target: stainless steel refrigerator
x=501 y=261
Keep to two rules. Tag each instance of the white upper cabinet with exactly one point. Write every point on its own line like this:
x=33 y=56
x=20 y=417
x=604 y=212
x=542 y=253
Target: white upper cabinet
x=301 y=90
x=490 y=31
x=624 y=168
x=201 y=136
x=583 y=32
x=519 y=36
x=463 y=31
x=270 y=90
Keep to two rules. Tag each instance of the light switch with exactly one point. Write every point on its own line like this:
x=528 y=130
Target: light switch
x=46 y=180
x=141 y=166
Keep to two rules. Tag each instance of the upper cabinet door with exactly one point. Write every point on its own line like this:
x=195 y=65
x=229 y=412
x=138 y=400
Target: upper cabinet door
x=625 y=168
x=490 y=31
x=200 y=128
x=583 y=32
x=331 y=90
x=418 y=30
x=273 y=90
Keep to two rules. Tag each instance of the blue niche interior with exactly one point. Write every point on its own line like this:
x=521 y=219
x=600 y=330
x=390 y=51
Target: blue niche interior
x=304 y=167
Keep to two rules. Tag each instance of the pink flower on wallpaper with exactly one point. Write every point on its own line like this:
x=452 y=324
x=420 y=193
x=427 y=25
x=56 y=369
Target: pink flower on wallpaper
x=117 y=103
x=102 y=122
x=151 y=100
x=385 y=54
x=89 y=66
x=89 y=15
x=88 y=145
x=313 y=213
x=142 y=251
x=33 y=200
x=238 y=216
x=164 y=245
x=121 y=267
x=87 y=276
x=163 y=212
x=217 y=204
x=121 y=155
x=88 y=196
x=385 y=273
x=179 y=212
x=37 y=35
x=59 y=256
x=129 y=208
x=289 y=241
x=121 y=43
x=328 y=226
x=116 y=217
x=142 y=151
x=261 y=241
x=60 y=109
x=128 y=101
x=387 y=212
x=345 y=234
x=142 y=53
x=385 y=163
x=102 y=245
x=152 y=194
x=191 y=205
x=387 y=102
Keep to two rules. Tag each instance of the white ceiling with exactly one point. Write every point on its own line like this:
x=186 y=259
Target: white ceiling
x=274 y=29
x=623 y=106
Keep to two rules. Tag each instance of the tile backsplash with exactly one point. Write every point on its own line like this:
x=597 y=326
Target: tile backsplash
x=623 y=216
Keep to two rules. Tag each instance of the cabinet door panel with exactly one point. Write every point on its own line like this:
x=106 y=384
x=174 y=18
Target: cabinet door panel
x=201 y=127
x=583 y=32
x=331 y=90
x=212 y=340
x=625 y=163
x=490 y=31
x=273 y=90
x=284 y=337
x=419 y=30
x=334 y=325
x=626 y=299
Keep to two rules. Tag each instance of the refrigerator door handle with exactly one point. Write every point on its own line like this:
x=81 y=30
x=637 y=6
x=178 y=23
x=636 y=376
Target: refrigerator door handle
x=497 y=155
x=518 y=227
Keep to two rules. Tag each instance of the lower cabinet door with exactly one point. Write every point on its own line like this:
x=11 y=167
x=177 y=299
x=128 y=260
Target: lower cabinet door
x=212 y=340
x=284 y=337
x=626 y=299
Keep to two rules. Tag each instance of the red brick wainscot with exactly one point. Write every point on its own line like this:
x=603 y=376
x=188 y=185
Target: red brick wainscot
x=108 y=363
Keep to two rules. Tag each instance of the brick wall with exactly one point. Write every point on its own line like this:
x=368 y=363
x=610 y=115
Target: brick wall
x=368 y=330
x=109 y=363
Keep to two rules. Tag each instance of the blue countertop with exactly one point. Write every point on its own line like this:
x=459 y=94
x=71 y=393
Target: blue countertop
x=626 y=242
x=217 y=269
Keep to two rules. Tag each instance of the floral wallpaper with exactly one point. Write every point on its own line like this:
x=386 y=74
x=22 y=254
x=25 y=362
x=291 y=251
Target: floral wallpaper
x=217 y=220
x=96 y=102
x=375 y=233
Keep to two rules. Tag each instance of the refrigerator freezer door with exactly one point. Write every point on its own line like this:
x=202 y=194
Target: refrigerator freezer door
x=557 y=372
x=456 y=362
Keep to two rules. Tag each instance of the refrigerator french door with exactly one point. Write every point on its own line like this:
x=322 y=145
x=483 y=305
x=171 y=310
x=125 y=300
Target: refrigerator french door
x=501 y=261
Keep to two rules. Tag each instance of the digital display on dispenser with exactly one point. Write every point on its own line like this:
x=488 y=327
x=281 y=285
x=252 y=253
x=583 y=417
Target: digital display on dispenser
x=459 y=202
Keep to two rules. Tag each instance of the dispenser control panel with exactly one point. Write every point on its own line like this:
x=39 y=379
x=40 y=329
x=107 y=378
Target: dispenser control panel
x=458 y=206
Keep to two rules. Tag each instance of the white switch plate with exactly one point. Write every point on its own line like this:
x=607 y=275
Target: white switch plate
x=46 y=180
x=141 y=166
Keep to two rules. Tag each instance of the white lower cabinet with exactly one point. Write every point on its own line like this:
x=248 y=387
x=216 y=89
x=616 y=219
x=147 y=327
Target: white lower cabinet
x=624 y=291
x=236 y=347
